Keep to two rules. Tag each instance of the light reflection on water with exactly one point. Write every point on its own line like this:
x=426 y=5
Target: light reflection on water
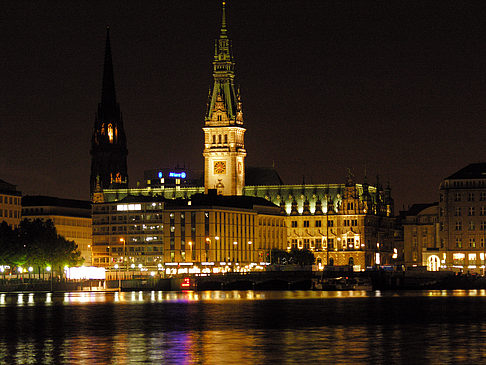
x=244 y=327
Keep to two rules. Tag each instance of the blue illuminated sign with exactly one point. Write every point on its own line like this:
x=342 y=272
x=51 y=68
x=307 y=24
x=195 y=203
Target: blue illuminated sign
x=178 y=175
x=160 y=174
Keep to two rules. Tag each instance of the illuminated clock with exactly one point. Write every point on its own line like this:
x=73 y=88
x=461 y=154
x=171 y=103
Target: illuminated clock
x=220 y=167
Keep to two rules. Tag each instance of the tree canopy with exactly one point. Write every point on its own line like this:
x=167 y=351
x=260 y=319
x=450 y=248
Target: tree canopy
x=36 y=243
x=294 y=257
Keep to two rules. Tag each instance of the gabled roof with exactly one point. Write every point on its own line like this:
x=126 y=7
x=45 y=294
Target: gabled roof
x=472 y=171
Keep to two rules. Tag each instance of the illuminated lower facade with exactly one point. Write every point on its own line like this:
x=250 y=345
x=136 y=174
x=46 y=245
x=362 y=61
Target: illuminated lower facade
x=72 y=219
x=221 y=230
x=343 y=224
x=421 y=236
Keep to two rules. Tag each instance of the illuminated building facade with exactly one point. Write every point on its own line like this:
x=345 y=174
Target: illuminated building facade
x=421 y=236
x=342 y=223
x=10 y=204
x=148 y=231
x=72 y=219
x=224 y=135
x=462 y=220
x=108 y=143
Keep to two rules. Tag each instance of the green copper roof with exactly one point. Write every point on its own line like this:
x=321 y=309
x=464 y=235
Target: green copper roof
x=223 y=73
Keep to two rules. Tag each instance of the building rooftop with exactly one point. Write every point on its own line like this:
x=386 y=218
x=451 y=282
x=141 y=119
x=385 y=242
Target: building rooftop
x=257 y=176
x=40 y=200
x=472 y=171
x=8 y=188
x=417 y=208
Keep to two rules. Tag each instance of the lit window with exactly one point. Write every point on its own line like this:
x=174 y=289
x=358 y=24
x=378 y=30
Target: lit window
x=110 y=132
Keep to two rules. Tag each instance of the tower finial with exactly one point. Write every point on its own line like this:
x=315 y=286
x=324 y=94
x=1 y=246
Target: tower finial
x=223 y=21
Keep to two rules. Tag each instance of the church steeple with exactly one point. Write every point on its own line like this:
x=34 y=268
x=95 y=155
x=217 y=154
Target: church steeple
x=108 y=95
x=108 y=143
x=224 y=145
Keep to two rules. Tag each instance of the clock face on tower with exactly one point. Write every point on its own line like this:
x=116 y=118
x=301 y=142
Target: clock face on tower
x=220 y=167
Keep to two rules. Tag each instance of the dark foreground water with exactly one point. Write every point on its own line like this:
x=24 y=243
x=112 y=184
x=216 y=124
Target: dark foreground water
x=244 y=327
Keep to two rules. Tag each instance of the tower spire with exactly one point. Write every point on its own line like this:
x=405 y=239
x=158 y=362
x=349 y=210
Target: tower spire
x=108 y=95
x=224 y=147
x=108 y=143
x=223 y=19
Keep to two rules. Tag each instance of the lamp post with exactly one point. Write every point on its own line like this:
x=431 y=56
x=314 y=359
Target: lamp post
x=250 y=245
x=118 y=277
x=217 y=247
x=208 y=241
x=124 y=258
x=49 y=270
x=235 y=251
x=192 y=253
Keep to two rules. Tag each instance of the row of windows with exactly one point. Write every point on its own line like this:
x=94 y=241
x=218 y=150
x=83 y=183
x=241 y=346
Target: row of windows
x=472 y=242
x=74 y=234
x=471 y=226
x=9 y=200
x=306 y=224
x=219 y=136
x=5 y=213
x=469 y=196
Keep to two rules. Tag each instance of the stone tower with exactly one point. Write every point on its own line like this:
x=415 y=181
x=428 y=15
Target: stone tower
x=224 y=136
x=108 y=143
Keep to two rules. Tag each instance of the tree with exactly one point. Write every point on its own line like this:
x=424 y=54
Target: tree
x=42 y=245
x=11 y=251
x=302 y=257
x=280 y=257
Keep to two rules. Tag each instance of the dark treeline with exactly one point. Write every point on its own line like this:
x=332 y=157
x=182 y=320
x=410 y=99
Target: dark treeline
x=294 y=257
x=36 y=243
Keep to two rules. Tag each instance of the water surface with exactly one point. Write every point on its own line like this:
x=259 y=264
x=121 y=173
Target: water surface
x=243 y=327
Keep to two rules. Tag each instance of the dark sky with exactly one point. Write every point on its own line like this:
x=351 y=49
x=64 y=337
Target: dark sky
x=398 y=87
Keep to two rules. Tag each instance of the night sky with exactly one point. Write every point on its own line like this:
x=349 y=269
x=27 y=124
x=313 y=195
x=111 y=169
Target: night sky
x=398 y=87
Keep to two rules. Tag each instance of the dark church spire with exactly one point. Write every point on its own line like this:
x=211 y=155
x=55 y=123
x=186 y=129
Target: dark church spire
x=108 y=143
x=108 y=95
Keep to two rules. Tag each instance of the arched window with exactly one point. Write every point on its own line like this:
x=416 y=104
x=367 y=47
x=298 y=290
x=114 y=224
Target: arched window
x=214 y=138
x=331 y=262
x=110 y=132
x=225 y=138
x=351 y=261
x=219 y=138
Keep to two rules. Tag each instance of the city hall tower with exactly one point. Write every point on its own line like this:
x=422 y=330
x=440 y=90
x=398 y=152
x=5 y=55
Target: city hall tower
x=224 y=135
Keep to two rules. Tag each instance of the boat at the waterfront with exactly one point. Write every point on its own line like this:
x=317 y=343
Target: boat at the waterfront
x=343 y=283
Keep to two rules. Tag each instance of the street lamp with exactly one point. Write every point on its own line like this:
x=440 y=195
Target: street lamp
x=217 y=248
x=208 y=241
x=118 y=277
x=192 y=252
x=49 y=270
x=235 y=249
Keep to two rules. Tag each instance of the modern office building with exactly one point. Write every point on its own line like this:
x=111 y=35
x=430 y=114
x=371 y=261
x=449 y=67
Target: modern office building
x=10 y=204
x=223 y=230
x=72 y=219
